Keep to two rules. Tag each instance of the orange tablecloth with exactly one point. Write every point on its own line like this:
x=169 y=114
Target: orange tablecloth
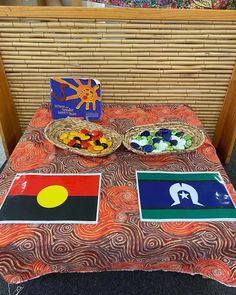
x=120 y=241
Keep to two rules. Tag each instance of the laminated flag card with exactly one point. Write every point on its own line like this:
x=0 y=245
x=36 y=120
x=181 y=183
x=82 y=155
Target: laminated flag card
x=52 y=198
x=76 y=98
x=180 y=196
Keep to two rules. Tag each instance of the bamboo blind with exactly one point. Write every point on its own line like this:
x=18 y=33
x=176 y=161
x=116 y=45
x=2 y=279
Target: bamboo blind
x=137 y=61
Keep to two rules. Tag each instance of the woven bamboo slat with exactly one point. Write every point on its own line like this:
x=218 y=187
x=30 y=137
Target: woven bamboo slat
x=75 y=13
x=162 y=61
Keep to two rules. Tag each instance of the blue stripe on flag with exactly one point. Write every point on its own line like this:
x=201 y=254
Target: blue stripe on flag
x=155 y=194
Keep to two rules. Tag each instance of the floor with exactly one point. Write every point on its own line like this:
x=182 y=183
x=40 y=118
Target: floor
x=123 y=283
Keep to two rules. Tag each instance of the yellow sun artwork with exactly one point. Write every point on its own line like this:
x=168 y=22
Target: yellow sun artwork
x=86 y=93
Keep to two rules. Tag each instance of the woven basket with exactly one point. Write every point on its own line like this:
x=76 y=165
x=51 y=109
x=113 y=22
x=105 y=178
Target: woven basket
x=197 y=135
x=54 y=129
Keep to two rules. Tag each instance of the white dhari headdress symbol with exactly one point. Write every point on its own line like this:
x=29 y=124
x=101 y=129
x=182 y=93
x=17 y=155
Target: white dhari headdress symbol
x=191 y=193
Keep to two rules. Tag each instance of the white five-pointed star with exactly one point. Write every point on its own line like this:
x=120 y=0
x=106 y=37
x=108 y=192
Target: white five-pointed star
x=184 y=195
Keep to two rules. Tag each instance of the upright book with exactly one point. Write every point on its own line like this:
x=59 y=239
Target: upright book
x=76 y=98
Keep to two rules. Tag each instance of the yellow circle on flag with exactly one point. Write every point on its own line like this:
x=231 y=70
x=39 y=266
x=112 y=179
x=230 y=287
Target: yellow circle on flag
x=52 y=196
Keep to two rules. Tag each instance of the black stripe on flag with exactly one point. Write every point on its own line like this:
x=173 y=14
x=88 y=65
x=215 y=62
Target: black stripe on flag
x=76 y=208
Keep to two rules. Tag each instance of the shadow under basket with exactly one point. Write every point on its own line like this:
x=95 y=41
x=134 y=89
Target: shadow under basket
x=55 y=128
x=197 y=135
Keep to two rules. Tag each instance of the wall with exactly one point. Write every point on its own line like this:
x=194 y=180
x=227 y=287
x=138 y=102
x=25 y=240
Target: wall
x=156 y=61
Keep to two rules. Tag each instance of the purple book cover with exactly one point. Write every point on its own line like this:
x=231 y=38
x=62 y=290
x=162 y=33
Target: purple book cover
x=76 y=98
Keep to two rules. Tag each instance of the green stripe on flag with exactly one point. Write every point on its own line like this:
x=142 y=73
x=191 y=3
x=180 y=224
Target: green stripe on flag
x=179 y=176
x=188 y=213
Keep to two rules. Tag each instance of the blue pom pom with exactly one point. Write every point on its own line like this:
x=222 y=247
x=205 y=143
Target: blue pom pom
x=167 y=136
x=145 y=133
x=174 y=142
x=163 y=131
x=134 y=145
x=156 y=140
x=148 y=148
x=179 y=134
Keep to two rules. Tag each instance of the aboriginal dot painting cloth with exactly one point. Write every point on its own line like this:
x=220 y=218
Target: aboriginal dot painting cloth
x=176 y=4
x=120 y=240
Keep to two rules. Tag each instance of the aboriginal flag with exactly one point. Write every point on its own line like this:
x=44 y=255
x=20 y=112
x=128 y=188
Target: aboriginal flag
x=54 y=198
x=174 y=196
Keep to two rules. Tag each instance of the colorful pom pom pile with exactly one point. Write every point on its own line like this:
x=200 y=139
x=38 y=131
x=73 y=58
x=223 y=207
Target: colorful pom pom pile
x=161 y=140
x=94 y=141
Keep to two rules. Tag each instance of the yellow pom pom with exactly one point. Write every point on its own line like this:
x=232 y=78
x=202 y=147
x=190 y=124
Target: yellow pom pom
x=98 y=148
x=92 y=143
x=66 y=140
x=79 y=134
x=103 y=140
x=109 y=143
x=63 y=136
x=74 y=133
x=90 y=149
x=84 y=137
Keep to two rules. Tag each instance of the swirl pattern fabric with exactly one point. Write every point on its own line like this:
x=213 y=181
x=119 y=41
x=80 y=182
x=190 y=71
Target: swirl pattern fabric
x=176 y=4
x=120 y=241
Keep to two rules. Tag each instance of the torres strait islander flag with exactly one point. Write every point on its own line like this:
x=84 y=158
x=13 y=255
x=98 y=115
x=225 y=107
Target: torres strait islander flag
x=52 y=198
x=175 y=196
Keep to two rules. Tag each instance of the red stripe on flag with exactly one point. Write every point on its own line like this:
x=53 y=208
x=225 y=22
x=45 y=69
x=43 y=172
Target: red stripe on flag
x=76 y=185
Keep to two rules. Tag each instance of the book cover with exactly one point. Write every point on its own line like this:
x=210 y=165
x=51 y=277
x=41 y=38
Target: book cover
x=76 y=98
